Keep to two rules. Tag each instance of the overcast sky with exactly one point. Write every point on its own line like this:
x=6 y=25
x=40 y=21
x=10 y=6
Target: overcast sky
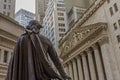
x=25 y=4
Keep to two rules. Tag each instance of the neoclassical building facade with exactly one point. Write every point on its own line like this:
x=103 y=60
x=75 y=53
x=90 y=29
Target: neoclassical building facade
x=10 y=30
x=88 y=49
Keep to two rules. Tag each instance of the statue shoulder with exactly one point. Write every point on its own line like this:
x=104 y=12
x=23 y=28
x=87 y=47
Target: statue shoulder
x=23 y=36
x=44 y=39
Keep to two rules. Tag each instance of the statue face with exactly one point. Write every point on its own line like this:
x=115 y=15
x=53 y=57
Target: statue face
x=34 y=24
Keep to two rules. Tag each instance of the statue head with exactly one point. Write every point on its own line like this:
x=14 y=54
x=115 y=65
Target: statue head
x=33 y=24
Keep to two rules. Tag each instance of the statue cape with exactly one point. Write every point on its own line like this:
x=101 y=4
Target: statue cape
x=29 y=60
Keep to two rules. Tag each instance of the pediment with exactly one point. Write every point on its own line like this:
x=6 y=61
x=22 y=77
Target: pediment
x=78 y=35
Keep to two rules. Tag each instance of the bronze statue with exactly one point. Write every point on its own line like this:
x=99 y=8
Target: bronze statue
x=30 y=57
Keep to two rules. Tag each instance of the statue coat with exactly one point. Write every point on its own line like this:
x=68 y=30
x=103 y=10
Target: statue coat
x=29 y=62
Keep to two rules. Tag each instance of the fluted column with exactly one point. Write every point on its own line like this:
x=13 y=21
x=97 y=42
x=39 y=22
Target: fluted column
x=91 y=65
x=85 y=67
x=98 y=63
x=75 y=68
x=2 y=55
x=70 y=70
x=80 y=68
x=67 y=69
x=105 y=54
x=9 y=57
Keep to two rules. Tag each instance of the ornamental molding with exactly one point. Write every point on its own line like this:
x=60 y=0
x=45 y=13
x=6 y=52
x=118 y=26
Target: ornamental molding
x=7 y=39
x=9 y=19
x=6 y=42
x=8 y=35
x=80 y=50
x=81 y=36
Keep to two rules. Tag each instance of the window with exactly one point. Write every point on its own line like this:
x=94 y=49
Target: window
x=60 y=5
x=9 y=1
x=5 y=56
x=61 y=24
x=60 y=14
x=60 y=9
x=119 y=22
x=61 y=18
x=52 y=34
x=118 y=38
x=51 y=24
x=111 y=11
x=8 y=14
x=5 y=0
x=9 y=7
x=115 y=7
x=4 y=6
x=61 y=29
x=4 y=12
x=61 y=35
x=53 y=39
x=115 y=26
x=61 y=1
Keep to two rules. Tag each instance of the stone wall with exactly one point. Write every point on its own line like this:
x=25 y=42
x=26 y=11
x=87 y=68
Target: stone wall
x=10 y=30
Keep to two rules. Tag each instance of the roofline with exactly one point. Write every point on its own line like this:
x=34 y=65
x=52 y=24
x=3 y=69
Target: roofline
x=11 y=20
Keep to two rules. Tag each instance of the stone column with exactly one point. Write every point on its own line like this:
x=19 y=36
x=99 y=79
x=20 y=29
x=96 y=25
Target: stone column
x=9 y=56
x=70 y=70
x=85 y=67
x=80 y=71
x=105 y=54
x=2 y=55
x=98 y=63
x=91 y=65
x=67 y=68
x=75 y=72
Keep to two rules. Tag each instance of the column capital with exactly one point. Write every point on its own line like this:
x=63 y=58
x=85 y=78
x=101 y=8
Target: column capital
x=73 y=59
x=69 y=62
x=83 y=54
x=66 y=64
x=103 y=40
x=94 y=46
x=78 y=56
x=88 y=50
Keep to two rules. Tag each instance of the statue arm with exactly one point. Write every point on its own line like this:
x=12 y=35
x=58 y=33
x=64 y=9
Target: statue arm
x=56 y=61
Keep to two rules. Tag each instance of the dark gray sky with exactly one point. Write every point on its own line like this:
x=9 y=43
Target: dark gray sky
x=25 y=4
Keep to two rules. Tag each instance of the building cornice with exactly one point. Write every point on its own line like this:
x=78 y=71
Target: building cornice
x=3 y=69
x=8 y=35
x=7 y=42
x=7 y=39
x=80 y=37
x=11 y=20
